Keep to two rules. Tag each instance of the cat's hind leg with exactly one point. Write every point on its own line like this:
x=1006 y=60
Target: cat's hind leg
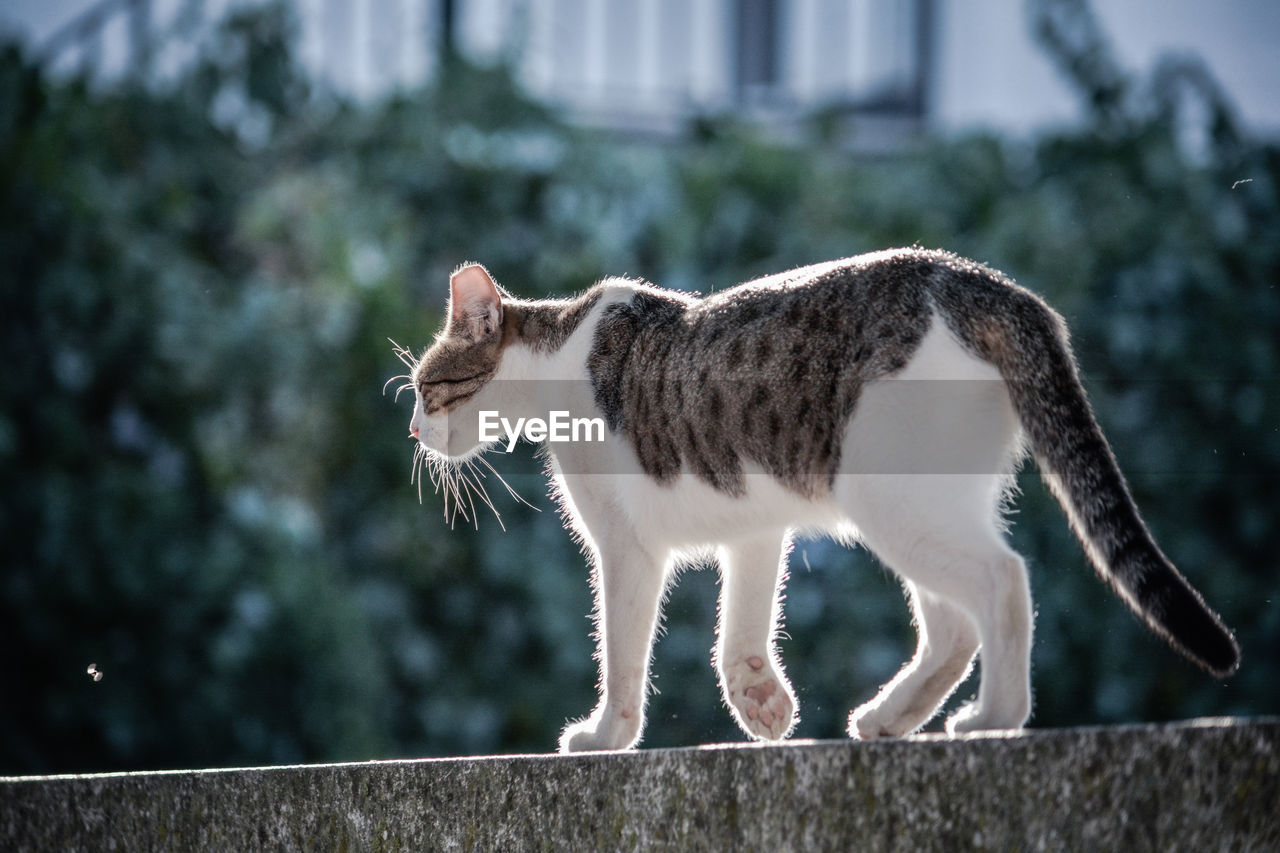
x=751 y=677
x=938 y=533
x=948 y=640
x=1004 y=618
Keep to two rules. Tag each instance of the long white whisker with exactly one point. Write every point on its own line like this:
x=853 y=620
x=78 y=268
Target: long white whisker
x=447 y=489
x=446 y=492
x=458 y=508
x=484 y=493
x=415 y=469
x=403 y=354
x=466 y=488
x=505 y=484
x=393 y=379
x=419 y=462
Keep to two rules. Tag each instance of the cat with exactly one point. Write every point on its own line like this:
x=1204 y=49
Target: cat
x=885 y=399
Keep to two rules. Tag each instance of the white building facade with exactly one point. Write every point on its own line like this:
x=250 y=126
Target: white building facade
x=651 y=64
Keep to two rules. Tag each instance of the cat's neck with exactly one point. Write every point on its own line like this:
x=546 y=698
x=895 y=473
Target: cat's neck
x=539 y=340
x=544 y=325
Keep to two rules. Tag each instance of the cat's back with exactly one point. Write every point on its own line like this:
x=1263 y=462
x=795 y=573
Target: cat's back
x=768 y=371
x=893 y=283
x=887 y=279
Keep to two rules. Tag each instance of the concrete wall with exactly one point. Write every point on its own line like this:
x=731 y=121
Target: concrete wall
x=1203 y=785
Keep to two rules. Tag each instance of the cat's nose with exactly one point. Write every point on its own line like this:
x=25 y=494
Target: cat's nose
x=413 y=431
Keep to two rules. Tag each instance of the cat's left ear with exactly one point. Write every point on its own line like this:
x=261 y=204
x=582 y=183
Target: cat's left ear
x=475 y=305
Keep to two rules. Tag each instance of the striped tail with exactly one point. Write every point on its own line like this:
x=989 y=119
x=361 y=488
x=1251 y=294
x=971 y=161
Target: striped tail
x=1027 y=343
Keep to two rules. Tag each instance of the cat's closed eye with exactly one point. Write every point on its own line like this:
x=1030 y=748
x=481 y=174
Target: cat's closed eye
x=446 y=393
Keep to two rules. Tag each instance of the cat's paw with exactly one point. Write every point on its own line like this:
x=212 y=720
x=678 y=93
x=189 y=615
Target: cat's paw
x=760 y=697
x=972 y=718
x=877 y=722
x=600 y=733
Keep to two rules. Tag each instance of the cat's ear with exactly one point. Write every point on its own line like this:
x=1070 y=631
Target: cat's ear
x=475 y=305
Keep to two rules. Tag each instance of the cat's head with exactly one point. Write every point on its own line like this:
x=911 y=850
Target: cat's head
x=450 y=379
x=451 y=384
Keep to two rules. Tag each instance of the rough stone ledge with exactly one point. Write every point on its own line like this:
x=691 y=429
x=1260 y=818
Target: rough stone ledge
x=1211 y=784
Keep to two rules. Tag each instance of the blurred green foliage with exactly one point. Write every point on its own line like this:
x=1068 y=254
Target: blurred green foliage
x=207 y=495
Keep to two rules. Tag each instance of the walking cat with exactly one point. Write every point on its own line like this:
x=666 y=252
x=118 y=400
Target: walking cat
x=884 y=399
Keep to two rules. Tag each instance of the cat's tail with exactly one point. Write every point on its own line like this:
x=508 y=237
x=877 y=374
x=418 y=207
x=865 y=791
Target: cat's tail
x=1027 y=342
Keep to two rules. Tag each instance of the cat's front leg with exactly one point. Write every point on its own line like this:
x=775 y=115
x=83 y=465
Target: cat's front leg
x=628 y=587
x=751 y=676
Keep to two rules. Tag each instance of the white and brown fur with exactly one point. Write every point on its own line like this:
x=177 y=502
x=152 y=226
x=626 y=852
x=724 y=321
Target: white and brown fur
x=885 y=399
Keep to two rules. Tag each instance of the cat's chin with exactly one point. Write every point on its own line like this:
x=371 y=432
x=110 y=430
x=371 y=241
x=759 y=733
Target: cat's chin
x=457 y=458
